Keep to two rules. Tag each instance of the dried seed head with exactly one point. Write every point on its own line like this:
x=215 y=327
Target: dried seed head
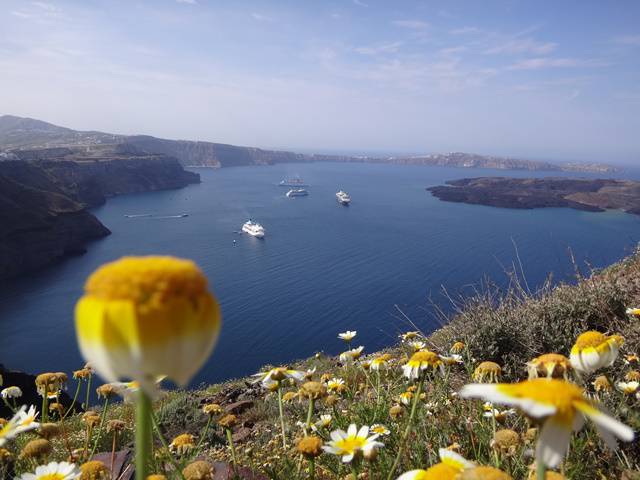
x=94 y=470
x=228 y=421
x=313 y=390
x=49 y=430
x=199 y=470
x=310 y=447
x=36 y=449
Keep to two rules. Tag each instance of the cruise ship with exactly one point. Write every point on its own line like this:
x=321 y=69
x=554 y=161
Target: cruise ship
x=343 y=197
x=297 y=192
x=254 y=229
x=293 y=182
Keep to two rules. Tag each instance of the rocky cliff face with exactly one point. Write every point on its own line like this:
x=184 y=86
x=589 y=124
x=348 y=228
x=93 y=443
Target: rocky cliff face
x=44 y=197
x=39 y=223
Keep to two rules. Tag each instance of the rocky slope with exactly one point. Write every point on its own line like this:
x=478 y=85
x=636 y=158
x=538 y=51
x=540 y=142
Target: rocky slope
x=17 y=132
x=44 y=195
x=526 y=193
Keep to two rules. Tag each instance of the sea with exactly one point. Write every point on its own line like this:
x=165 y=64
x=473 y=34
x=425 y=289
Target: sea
x=387 y=262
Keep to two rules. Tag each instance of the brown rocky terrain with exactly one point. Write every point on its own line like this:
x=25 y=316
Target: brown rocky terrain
x=582 y=194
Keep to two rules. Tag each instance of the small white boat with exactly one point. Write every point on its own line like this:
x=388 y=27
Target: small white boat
x=343 y=197
x=254 y=229
x=297 y=192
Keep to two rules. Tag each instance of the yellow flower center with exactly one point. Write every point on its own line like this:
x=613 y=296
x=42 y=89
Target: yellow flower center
x=557 y=393
x=147 y=281
x=440 y=471
x=424 y=357
x=51 y=476
x=350 y=444
x=590 y=339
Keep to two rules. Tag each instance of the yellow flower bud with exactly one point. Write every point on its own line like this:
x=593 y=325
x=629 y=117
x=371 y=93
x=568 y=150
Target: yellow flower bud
x=145 y=317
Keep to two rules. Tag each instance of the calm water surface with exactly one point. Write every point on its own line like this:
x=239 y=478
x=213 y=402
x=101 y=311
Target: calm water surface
x=322 y=269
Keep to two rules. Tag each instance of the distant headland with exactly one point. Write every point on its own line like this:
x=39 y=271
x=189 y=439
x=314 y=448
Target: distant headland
x=19 y=133
x=526 y=193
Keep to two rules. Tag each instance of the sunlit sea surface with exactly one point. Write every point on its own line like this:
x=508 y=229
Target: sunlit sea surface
x=323 y=268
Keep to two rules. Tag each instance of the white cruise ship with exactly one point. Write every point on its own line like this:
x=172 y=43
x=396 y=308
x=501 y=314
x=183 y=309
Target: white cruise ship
x=254 y=229
x=343 y=197
x=297 y=192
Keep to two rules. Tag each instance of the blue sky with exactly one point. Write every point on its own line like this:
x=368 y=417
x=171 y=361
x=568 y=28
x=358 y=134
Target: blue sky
x=538 y=79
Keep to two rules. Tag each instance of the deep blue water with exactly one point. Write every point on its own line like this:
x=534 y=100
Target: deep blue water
x=321 y=270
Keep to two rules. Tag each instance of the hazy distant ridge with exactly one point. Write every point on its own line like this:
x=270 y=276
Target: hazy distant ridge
x=27 y=133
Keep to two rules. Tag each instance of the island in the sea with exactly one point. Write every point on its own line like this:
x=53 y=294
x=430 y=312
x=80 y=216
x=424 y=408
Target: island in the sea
x=594 y=195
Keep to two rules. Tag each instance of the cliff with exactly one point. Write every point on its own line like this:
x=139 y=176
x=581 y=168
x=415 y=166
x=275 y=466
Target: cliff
x=39 y=223
x=527 y=193
x=25 y=133
x=44 y=195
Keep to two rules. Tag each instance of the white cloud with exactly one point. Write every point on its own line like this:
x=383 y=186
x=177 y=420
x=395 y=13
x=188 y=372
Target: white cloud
x=547 y=62
x=379 y=49
x=360 y=3
x=524 y=45
x=46 y=6
x=465 y=31
x=260 y=17
x=633 y=40
x=412 y=24
x=188 y=2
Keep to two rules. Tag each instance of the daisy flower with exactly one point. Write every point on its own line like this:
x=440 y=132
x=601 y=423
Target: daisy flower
x=409 y=336
x=11 y=392
x=549 y=365
x=631 y=358
x=27 y=420
x=324 y=422
x=352 y=443
x=562 y=407
x=53 y=471
x=419 y=362
x=351 y=355
x=348 y=335
x=451 y=464
x=457 y=347
x=594 y=350
x=634 y=312
x=10 y=429
x=379 y=429
x=276 y=375
x=628 y=388
x=417 y=345
x=405 y=397
x=336 y=385
x=452 y=359
x=380 y=362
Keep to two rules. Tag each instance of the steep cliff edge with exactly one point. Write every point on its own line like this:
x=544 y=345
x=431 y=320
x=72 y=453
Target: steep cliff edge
x=44 y=195
x=39 y=226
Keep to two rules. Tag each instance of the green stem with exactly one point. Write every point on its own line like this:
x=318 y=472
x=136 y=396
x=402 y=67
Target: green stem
x=143 y=434
x=203 y=436
x=102 y=420
x=231 y=447
x=86 y=402
x=166 y=447
x=309 y=415
x=407 y=430
x=284 y=434
x=13 y=410
x=45 y=407
x=540 y=470
x=312 y=468
x=75 y=397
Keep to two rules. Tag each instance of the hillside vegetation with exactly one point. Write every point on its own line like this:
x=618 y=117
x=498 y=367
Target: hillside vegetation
x=237 y=427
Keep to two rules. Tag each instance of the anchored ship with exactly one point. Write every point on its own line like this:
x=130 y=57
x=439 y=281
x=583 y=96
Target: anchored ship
x=343 y=197
x=254 y=229
x=297 y=192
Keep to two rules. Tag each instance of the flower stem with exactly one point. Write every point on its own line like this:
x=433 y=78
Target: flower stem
x=284 y=434
x=407 y=430
x=45 y=407
x=312 y=468
x=102 y=420
x=540 y=470
x=143 y=434
x=203 y=436
x=309 y=415
x=86 y=403
x=231 y=447
x=75 y=397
